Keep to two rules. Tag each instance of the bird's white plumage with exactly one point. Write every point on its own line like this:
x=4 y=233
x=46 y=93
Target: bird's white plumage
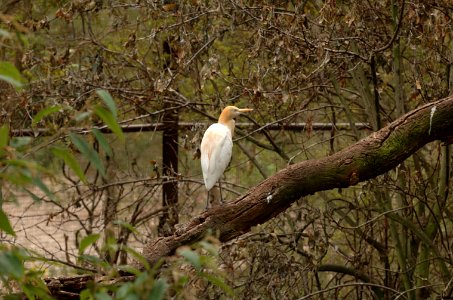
x=216 y=149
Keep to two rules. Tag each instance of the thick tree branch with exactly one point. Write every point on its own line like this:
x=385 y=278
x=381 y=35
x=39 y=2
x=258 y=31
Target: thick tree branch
x=368 y=158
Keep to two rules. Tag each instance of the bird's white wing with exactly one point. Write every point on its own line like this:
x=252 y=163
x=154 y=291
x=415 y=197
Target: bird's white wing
x=216 y=148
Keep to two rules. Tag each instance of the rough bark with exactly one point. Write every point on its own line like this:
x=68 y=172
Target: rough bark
x=68 y=288
x=374 y=155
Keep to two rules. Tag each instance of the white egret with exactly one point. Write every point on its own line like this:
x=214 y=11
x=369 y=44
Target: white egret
x=217 y=147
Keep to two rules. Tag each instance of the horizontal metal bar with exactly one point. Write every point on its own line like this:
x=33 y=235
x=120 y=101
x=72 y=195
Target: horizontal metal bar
x=188 y=125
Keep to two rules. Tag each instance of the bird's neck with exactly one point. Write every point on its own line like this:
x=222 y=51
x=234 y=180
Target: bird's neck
x=230 y=125
x=225 y=119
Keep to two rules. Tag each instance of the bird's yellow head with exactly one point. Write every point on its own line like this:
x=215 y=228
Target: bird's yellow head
x=231 y=112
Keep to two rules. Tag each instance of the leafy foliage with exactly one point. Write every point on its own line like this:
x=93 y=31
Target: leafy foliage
x=10 y=74
x=75 y=74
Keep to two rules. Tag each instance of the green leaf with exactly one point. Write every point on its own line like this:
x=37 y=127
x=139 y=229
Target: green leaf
x=159 y=288
x=43 y=187
x=102 y=141
x=4 y=137
x=20 y=141
x=20 y=163
x=19 y=172
x=129 y=269
x=35 y=197
x=10 y=80
x=5 y=34
x=70 y=161
x=87 y=241
x=209 y=247
x=88 y=152
x=28 y=292
x=35 y=290
x=124 y=291
x=183 y=280
x=45 y=112
x=140 y=258
x=82 y=116
x=218 y=281
x=85 y=294
x=10 y=74
x=192 y=257
x=108 y=100
x=141 y=279
x=126 y=225
x=11 y=265
x=109 y=120
x=94 y=260
x=132 y=296
x=5 y=225
x=102 y=296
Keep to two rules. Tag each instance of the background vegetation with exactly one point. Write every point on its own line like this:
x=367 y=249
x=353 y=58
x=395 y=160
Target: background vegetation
x=78 y=76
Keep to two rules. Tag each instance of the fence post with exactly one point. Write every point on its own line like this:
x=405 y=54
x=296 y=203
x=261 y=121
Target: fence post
x=169 y=169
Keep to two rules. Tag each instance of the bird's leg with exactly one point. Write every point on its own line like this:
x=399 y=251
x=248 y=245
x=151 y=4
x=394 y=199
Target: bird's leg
x=220 y=190
x=207 y=200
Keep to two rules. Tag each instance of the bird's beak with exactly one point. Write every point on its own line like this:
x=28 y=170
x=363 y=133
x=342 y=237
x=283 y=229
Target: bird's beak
x=243 y=110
